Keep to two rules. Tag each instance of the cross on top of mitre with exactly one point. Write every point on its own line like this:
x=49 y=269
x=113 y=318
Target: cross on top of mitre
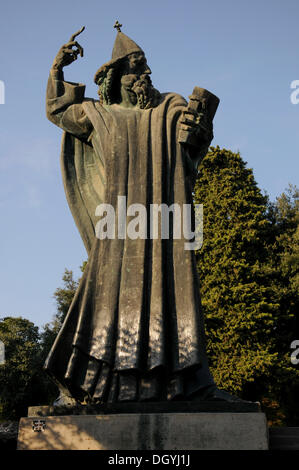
x=117 y=25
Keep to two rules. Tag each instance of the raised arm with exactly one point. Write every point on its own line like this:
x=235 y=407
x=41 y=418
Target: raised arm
x=64 y=99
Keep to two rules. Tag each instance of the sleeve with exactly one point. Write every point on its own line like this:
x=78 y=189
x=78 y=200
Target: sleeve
x=64 y=105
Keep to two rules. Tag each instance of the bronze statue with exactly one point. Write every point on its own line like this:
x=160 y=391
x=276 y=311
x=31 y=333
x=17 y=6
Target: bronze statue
x=134 y=331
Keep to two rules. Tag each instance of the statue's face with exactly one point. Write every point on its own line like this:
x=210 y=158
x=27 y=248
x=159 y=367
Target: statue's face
x=129 y=84
x=136 y=85
x=137 y=64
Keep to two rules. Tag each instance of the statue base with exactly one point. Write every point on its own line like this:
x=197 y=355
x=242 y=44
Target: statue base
x=191 y=426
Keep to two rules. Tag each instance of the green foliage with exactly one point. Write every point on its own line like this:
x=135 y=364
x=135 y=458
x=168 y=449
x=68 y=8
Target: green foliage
x=239 y=267
x=283 y=263
x=287 y=244
x=21 y=382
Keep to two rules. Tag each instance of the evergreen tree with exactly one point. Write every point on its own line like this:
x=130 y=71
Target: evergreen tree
x=283 y=263
x=241 y=305
x=287 y=239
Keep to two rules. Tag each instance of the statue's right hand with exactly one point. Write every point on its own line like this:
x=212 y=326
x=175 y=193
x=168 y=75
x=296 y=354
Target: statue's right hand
x=66 y=54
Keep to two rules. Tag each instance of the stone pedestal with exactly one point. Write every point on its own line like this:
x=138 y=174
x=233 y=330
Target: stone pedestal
x=168 y=430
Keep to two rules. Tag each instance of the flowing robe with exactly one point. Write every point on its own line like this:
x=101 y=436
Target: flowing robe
x=134 y=330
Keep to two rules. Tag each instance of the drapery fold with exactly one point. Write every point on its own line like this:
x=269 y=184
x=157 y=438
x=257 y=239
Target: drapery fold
x=134 y=330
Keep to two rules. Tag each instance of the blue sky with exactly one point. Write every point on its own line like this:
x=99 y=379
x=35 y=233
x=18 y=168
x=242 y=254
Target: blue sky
x=245 y=52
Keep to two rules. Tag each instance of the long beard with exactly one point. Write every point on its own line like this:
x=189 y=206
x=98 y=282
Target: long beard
x=141 y=91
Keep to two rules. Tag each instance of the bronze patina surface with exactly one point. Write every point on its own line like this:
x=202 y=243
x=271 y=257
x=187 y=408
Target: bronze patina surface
x=135 y=329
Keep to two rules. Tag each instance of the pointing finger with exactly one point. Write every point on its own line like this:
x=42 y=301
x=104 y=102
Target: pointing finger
x=77 y=33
